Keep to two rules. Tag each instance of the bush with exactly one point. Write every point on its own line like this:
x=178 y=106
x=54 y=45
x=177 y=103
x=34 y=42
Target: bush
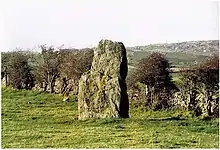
x=19 y=73
x=154 y=71
x=201 y=84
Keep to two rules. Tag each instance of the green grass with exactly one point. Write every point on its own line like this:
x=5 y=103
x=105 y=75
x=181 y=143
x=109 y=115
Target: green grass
x=39 y=120
x=178 y=59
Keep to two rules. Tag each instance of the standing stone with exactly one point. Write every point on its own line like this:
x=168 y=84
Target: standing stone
x=103 y=90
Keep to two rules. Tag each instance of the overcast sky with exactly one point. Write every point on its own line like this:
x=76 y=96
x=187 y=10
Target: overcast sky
x=83 y=23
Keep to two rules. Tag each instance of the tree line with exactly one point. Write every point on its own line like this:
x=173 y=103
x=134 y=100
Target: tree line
x=196 y=88
x=150 y=84
x=28 y=70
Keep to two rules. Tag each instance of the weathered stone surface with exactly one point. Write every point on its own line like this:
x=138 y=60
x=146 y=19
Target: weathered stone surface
x=3 y=81
x=182 y=100
x=103 y=90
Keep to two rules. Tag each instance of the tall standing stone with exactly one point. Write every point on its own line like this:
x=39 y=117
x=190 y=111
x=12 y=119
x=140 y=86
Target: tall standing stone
x=103 y=90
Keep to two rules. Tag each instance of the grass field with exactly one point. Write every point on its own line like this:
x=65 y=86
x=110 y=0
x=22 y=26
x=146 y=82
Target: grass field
x=178 y=59
x=38 y=120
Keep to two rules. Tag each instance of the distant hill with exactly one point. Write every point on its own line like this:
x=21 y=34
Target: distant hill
x=179 y=54
x=198 y=47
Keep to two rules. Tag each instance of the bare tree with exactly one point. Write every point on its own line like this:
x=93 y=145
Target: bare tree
x=47 y=65
x=74 y=64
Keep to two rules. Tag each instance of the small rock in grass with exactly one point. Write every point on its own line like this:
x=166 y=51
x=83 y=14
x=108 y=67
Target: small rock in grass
x=66 y=99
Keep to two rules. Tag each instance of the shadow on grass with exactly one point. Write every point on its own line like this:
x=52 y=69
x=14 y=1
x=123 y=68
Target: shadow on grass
x=110 y=121
x=166 y=119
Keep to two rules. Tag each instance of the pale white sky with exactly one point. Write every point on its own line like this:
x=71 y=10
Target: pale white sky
x=83 y=23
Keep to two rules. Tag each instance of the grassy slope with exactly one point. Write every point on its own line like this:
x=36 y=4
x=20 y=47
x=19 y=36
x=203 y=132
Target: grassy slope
x=178 y=59
x=48 y=122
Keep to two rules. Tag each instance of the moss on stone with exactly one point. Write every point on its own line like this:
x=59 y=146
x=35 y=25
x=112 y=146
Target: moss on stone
x=91 y=86
x=102 y=86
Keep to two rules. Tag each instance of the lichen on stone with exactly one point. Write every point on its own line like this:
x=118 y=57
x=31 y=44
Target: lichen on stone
x=102 y=90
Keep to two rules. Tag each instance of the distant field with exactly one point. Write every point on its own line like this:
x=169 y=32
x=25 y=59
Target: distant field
x=177 y=59
x=38 y=120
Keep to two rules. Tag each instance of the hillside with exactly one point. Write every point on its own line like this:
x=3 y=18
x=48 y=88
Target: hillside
x=197 y=47
x=179 y=54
